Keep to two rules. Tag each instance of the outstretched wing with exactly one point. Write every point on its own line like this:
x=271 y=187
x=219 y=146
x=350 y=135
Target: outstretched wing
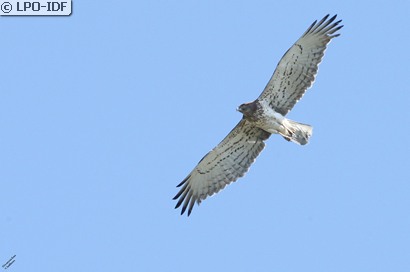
x=297 y=69
x=224 y=164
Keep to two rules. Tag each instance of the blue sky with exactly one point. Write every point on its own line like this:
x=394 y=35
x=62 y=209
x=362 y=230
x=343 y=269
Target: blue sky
x=104 y=112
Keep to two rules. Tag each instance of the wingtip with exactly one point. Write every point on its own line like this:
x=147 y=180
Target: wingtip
x=182 y=182
x=183 y=209
x=179 y=202
x=325 y=26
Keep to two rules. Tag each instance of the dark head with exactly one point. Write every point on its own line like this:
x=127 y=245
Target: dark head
x=247 y=109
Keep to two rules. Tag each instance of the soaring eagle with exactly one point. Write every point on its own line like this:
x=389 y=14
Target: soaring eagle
x=231 y=158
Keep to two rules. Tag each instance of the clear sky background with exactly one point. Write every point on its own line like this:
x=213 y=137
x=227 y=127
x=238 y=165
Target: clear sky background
x=104 y=112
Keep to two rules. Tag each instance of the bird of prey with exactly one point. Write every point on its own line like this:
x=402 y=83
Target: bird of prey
x=232 y=157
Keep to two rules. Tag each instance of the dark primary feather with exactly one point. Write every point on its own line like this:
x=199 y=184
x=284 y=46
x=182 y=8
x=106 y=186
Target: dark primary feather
x=297 y=69
x=224 y=164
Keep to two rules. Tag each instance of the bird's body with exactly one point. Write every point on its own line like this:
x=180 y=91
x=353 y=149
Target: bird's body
x=232 y=157
x=264 y=117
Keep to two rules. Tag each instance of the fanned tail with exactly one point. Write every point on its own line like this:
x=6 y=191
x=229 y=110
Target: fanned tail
x=297 y=132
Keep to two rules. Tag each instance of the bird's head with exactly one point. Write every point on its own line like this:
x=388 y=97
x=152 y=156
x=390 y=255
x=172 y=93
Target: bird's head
x=247 y=109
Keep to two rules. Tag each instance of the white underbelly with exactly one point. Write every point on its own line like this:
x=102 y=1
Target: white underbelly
x=272 y=121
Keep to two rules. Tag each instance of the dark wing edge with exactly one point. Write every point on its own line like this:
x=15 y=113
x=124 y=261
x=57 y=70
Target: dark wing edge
x=324 y=27
x=224 y=164
x=297 y=69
